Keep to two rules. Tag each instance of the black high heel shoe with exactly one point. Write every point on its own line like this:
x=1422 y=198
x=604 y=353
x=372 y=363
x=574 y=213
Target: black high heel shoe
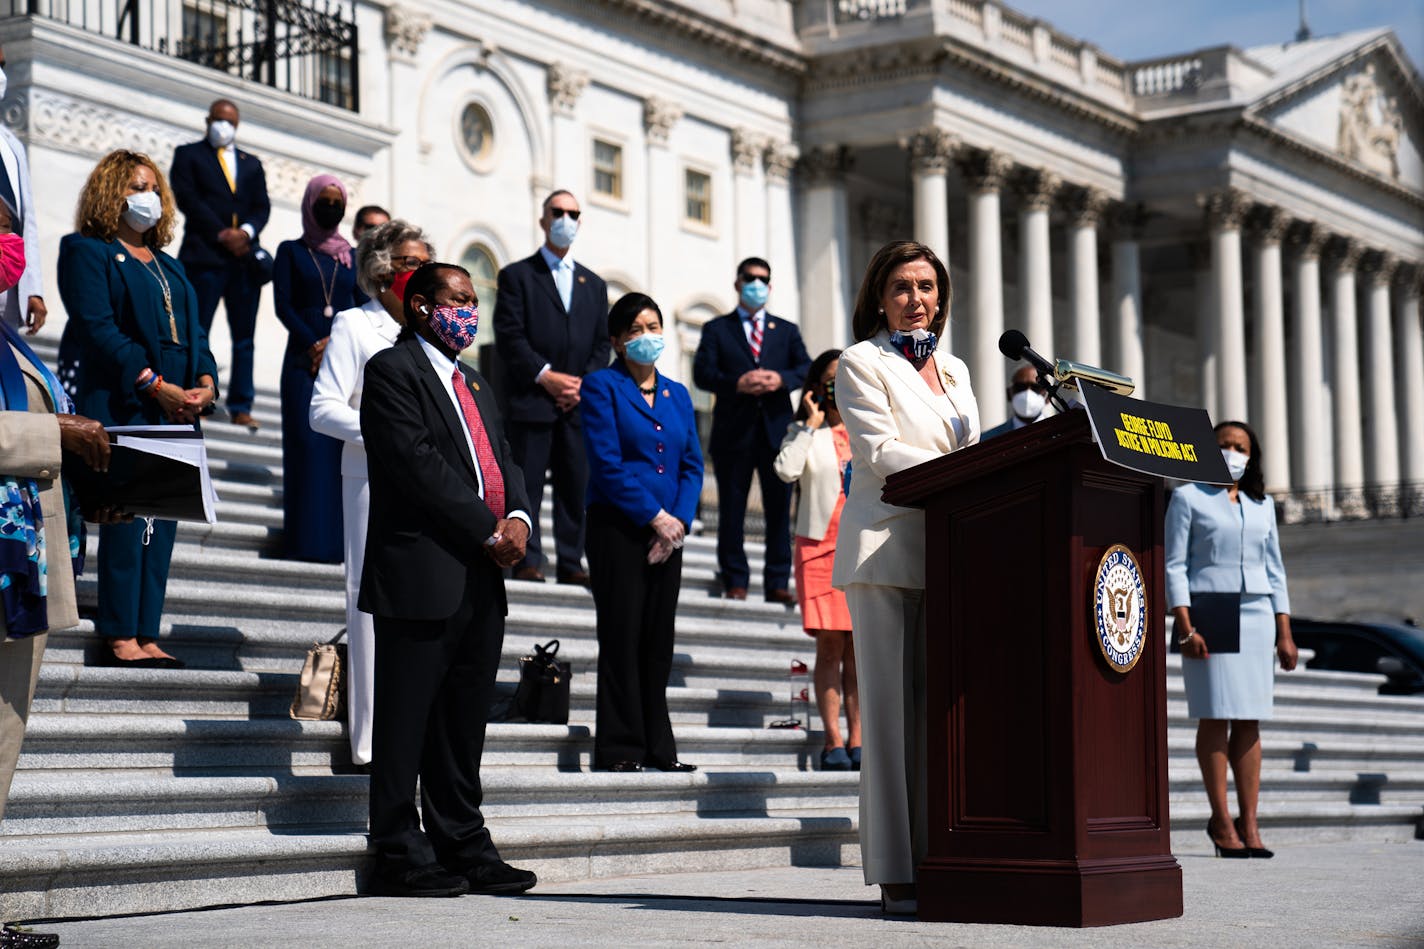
x=1231 y=853
x=1258 y=853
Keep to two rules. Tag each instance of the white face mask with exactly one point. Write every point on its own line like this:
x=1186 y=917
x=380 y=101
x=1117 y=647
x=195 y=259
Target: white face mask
x=4 y=83
x=1235 y=462
x=145 y=210
x=221 y=133
x=1028 y=404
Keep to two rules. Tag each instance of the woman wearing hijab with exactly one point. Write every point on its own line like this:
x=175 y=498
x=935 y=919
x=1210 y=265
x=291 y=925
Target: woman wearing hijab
x=313 y=281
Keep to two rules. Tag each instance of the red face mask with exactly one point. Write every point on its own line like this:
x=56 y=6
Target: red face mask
x=12 y=260
x=398 y=283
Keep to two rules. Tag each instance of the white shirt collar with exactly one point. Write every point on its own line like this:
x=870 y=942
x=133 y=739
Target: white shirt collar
x=443 y=364
x=554 y=261
x=746 y=314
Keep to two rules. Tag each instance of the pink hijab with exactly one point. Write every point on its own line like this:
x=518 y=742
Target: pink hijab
x=318 y=238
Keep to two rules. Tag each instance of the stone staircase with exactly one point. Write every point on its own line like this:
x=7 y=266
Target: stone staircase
x=151 y=790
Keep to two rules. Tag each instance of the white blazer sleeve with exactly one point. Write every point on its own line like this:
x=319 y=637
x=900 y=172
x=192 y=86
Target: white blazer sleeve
x=32 y=280
x=870 y=419
x=791 y=460
x=341 y=367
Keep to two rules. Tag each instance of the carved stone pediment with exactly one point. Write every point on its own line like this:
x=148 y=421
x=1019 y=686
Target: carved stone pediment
x=1370 y=123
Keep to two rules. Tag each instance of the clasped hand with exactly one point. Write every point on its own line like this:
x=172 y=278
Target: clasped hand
x=235 y=240
x=509 y=549
x=758 y=382
x=183 y=405
x=668 y=535
x=564 y=387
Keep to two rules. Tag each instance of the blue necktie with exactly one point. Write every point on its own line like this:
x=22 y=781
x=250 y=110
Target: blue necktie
x=564 y=281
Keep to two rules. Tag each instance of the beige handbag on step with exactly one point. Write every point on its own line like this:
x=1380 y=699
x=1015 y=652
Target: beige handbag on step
x=321 y=693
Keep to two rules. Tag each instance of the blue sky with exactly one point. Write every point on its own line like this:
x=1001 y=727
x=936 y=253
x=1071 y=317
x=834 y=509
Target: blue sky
x=1141 y=29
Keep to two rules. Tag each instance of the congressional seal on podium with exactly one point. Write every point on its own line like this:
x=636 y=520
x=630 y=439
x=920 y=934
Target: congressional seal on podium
x=1120 y=608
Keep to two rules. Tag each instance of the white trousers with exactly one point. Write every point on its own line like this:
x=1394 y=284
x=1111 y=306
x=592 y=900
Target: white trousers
x=889 y=634
x=360 y=627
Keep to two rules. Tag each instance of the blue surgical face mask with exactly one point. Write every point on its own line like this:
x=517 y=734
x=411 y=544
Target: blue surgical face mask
x=645 y=350
x=754 y=294
x=562 y=231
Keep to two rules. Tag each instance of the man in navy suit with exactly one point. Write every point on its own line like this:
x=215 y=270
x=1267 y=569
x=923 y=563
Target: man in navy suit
x=551 y=330
x=222 y=192
x=751 y=360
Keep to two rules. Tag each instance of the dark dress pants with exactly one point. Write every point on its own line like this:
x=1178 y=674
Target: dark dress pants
x=734 y=481
x=133 y=578
x=555 y=447
x=637 y=606
x=434 y=685
x=240 y=296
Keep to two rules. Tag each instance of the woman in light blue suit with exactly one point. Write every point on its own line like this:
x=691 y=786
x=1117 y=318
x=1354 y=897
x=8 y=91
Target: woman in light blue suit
x=1224 y=540
x=645 y=475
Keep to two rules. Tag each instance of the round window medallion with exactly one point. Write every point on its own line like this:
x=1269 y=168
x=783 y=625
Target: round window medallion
x=476 y=135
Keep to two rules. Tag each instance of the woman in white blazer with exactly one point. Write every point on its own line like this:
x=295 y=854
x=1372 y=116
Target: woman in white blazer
x=904 y=402
x=385 y=256
x=815 y=456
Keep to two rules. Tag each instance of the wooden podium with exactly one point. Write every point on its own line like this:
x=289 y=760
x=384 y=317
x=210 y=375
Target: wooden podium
x=1047 y=768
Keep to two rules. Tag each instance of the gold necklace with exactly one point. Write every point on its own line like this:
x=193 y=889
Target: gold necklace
x=156 y=271
x=326 y=292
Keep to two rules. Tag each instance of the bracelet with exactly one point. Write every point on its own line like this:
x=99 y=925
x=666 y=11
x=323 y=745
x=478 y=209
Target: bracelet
x=1183 y=640
x=145 y=380
x=157 y=385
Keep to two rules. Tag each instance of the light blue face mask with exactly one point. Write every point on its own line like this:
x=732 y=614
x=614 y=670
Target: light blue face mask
x=645 y=349
x=754 y=294
x=562 y=231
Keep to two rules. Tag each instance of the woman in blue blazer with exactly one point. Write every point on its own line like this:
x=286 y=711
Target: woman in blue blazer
x=133 y=353
x=645 y=475
x=1224 y=540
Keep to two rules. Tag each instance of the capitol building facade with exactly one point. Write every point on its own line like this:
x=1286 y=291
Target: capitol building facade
x=1241 y=229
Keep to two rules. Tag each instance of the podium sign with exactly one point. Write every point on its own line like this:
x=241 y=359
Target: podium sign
x=1168 y=440
x=1047 y=720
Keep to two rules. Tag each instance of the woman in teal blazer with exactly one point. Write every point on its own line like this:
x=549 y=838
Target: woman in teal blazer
x=644 y=478
x=1224 y=540
x=133 y=353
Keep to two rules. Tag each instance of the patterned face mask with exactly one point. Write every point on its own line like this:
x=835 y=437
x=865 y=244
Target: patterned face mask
x=455 y=326
x=917 y=346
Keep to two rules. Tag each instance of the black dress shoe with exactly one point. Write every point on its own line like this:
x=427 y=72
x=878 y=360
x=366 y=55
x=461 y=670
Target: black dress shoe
x=499 y=879
x=621 y=766
x=168 y=662
x=673 y=765
x=784 y=597
x=1257 y=853
x=432 y=880
x=12 y=938
x=531 y=574
x=107 y=658
x=578 y=578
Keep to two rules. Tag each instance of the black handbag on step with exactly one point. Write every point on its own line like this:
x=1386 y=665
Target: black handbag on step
x=543 y=692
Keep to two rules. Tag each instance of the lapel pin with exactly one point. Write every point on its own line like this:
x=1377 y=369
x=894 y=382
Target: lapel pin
x=474 y=385
x=949 y=377
x=667 y=394
x=582 y=279
x=770 y=324
x=120 y=258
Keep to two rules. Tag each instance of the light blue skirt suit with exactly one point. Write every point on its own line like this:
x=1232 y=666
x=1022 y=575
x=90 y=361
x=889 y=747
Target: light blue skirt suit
x=1214 y=546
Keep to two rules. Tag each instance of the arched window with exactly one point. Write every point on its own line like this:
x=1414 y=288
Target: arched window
x=484 y=274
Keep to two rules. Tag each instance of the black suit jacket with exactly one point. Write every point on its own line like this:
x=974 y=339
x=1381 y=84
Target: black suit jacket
x=427 y=524
x=209 y=205
x=532 y=328
x=724 y=355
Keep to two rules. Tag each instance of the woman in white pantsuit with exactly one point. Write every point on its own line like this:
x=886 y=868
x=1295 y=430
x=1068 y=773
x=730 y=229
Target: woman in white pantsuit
x=904 y=402
x=1224 y=540
x=385 y=258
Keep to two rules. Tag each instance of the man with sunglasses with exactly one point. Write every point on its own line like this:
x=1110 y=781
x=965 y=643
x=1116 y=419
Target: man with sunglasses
x=751 y=361
x=551 y=329
x=1028 y=401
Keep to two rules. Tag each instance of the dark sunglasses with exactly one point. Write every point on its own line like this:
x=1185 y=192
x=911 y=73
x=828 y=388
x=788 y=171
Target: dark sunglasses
x=560 y=212
x=749 y=277
x=1018 y=387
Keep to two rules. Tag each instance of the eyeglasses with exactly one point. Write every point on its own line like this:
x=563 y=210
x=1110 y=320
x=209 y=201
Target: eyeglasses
x=749 y=277
x=560 y=212
x=402 y=264
x=1018 y=387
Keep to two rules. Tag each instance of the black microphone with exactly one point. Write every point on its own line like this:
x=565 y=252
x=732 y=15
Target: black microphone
x=1014 y=345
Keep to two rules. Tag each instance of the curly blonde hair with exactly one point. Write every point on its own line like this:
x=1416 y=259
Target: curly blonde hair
x=105 y=194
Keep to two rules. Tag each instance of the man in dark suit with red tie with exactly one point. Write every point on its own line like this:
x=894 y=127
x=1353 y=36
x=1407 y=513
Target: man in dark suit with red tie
x=551 y=330
x=447 y=515
x=751 y=360
x=222 y=192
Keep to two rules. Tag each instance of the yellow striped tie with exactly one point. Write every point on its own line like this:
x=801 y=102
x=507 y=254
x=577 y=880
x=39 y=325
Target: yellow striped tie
x=227 y=172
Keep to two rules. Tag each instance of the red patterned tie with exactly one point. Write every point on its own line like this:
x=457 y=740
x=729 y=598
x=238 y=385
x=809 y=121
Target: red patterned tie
x=484 y=452
x=756 y=337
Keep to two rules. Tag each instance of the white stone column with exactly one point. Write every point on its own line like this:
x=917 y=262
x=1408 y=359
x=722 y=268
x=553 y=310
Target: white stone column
x=569 y=150
x=1037 y=189
x=826 y=296
x=748 y=194
x=985 y=172
x=1381 y=422
x=1125 y=315
x=1345 y=366
x=659 y=117
x=931 y=150
x=1225 y=211
x=1204 y=293
x=777 y=161
x=1085 y=211
x=1409 y=351
x=1310 y=461
x=1268 y=415
x=406 y=29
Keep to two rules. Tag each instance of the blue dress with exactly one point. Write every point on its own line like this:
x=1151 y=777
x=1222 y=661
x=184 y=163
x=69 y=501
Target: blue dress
x=1214 y=546
x=311 y=462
